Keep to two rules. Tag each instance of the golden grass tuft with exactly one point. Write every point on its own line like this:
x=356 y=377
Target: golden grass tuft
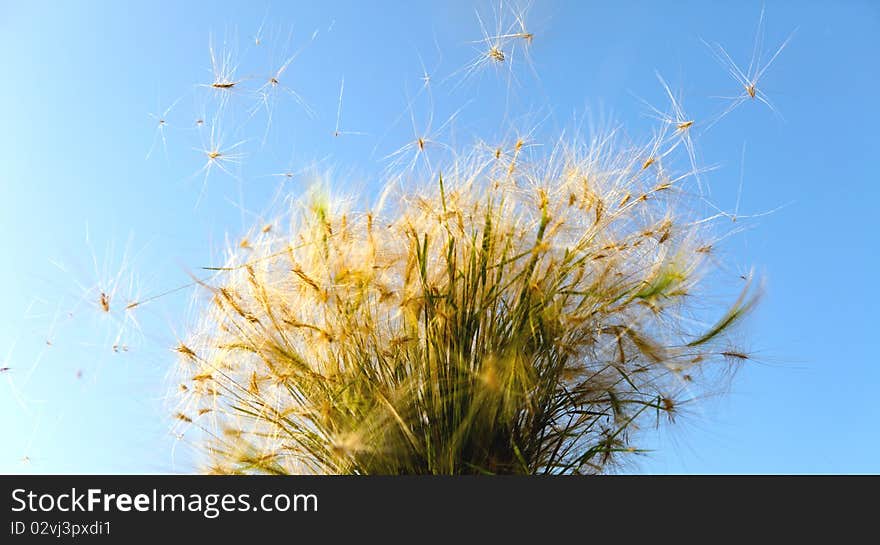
x=501 y=318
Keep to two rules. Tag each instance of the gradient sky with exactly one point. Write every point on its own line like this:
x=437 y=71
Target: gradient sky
x=77 y=195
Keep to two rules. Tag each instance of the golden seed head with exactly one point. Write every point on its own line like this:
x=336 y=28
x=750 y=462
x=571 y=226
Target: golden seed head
x=185 y=351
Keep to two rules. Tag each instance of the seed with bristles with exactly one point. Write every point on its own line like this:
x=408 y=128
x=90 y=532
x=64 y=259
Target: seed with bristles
x=496 y=54
x=299 y=272
x=735 y=355
x=186 y=351
x=254 y=386
x=751 y=90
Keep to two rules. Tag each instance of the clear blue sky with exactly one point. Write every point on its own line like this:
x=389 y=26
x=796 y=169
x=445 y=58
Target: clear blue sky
x=79 y=80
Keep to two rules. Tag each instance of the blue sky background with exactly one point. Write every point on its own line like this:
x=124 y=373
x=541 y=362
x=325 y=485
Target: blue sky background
x=76 y=193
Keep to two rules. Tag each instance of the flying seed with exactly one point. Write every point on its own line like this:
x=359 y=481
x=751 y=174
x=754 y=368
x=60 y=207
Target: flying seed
x=733 y=354
x=161 y=123
x=496 y=54
x=750 y=77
